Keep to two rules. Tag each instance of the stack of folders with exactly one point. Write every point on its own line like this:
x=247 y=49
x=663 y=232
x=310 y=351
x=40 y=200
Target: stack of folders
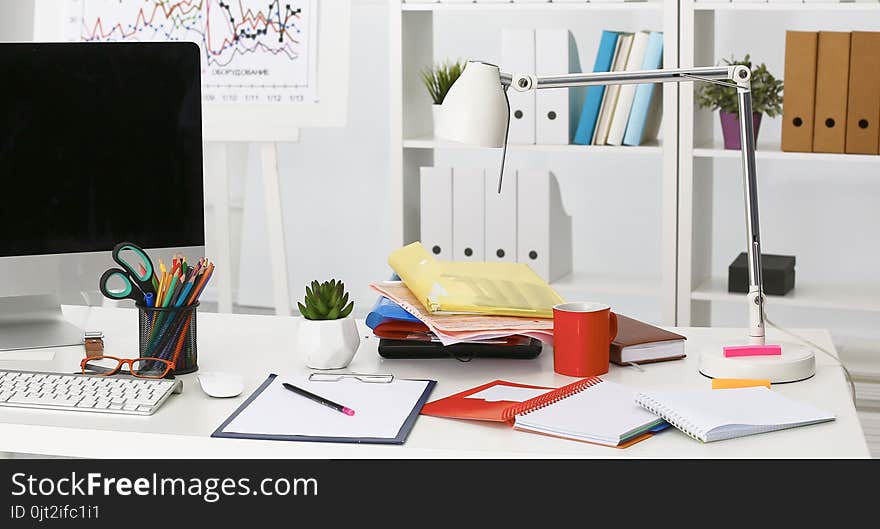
x=623 y=114
x=832 y=92
x=440 y=309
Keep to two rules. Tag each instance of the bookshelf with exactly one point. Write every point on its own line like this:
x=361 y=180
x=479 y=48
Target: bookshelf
x=822 y=296
x=416 y=36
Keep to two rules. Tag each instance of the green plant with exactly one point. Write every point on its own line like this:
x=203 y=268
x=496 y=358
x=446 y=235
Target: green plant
x=440 y=78
x=326 y=301
x=766 y=92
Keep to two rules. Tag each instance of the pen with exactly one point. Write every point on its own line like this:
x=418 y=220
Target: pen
x=318 y=399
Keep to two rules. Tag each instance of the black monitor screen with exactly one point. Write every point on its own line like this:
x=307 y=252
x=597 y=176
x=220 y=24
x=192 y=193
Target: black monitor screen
x=99 y=143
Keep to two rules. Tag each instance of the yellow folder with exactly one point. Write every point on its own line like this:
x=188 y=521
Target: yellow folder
x=496 y=288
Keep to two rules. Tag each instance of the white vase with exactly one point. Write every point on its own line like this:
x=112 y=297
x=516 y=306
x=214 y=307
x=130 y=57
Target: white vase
x=437 y=116
x=327 y=344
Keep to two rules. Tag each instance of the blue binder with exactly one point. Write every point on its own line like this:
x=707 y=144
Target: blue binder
x=386 y=310
x=593 y=99
x=638 y=116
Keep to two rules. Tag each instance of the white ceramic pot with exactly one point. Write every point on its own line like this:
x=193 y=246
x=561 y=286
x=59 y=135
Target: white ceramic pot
x=327 y=344
x=437 y=116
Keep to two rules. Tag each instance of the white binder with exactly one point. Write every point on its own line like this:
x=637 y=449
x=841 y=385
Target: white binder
x=501 y=218
x=435 y=189
x=557 y=108
x=468 y=187
x=518 y=56
x=543 y=227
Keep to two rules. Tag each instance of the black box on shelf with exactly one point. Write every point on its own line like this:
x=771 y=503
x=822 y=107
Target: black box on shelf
x=777 y=271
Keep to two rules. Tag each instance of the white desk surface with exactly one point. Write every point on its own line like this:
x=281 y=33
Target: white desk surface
x=257 y=345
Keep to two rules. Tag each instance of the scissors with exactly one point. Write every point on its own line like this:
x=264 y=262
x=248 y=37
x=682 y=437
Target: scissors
x=136 y=284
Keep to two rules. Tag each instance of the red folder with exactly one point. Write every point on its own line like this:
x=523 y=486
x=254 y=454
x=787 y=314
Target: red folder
x=458 y=406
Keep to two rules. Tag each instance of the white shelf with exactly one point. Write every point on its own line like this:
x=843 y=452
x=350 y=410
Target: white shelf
x=804 y=294
x=578 y=283
x=427 y=142
x=773 y=152
x=847 y=7
x=532 y=6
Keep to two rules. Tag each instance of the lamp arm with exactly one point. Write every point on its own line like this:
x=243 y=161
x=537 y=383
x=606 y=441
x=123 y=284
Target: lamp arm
x=737 y=76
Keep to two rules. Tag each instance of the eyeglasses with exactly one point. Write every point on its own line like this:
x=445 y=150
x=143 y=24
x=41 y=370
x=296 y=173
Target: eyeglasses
x=146 y=367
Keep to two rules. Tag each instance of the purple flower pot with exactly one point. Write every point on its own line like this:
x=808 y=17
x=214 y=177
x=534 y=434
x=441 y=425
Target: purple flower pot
x=730 y=128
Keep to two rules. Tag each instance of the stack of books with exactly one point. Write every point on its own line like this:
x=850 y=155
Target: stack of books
x=623 y=114
x=437 y=309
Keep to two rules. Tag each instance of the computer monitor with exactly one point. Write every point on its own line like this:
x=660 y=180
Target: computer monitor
x=99 y=143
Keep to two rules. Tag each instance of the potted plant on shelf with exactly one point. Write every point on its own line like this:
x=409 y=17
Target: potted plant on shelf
x=766 y=99
x=327 y=336
x=438 y=79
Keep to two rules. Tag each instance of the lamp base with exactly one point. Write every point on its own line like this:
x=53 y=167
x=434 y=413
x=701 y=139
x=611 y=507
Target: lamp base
x=794 y=364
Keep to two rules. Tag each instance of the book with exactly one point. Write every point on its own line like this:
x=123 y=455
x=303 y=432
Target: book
x=593 y=100
x=609 y=99
x=488 y=288
x=638 y=342
x=590 y=410
x=710 y=415
x=627 y=92
x=647 y=102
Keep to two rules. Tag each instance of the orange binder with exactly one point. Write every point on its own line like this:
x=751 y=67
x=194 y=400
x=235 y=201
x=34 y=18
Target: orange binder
x=863 y=106
x=800 y=90
x=832 y=82
x=589 y=410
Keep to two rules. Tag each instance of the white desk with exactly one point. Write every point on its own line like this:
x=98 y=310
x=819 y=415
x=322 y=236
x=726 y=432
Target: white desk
x=256 y=345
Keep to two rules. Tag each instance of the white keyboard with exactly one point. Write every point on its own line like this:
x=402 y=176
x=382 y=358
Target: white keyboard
x=57 y=391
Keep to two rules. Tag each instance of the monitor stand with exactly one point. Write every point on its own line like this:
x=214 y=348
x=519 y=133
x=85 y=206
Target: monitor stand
x=35 y=322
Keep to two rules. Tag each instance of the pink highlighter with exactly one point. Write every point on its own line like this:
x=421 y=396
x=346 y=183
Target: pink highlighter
x=752 y=350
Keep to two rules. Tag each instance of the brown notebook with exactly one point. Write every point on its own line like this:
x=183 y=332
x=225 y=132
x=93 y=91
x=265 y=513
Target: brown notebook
x=638 y=342
x=863 y=108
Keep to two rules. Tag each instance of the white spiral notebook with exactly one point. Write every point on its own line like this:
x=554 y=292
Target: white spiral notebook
x=716 y=414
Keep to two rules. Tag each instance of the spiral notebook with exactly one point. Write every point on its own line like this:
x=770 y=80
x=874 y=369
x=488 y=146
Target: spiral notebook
x=591 y=410
x=716 y=414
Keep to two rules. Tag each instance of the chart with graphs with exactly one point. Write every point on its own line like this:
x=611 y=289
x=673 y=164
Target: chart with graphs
x=253 y=51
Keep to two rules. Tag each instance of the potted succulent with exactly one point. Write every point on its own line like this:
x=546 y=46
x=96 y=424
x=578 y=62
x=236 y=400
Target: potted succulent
x=438 y=79
x=766 y=99
x=327 y=335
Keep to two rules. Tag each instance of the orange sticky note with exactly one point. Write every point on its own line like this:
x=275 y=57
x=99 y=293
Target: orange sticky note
x=730 y=383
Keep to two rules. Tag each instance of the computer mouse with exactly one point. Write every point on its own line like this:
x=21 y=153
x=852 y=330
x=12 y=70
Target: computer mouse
x=217 y=384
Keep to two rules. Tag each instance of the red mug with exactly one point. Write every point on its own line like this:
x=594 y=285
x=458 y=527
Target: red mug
x=582 y=335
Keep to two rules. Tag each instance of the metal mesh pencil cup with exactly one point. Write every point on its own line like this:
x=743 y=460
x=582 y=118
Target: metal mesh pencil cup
x=169 y=333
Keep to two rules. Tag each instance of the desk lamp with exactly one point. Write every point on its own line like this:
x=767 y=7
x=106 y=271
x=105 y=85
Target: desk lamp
x=476 y=112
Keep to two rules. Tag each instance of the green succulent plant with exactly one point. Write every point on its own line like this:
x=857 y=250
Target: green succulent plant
x=326 y=301
x=439 y=79
x=766 y=91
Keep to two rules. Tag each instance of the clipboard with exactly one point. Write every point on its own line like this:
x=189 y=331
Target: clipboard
x=386 y=408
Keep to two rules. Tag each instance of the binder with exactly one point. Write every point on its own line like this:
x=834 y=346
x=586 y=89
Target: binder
x=500 y=212
x=609 y=100
x=628 y=91
x=647 y=100
x=593 y=99
x=468 y=220
x=435 y=190
x=543 y=227
x=518 y=56
x=554 y=54
x=798 y=106
x=863 y=105
x=832 y=83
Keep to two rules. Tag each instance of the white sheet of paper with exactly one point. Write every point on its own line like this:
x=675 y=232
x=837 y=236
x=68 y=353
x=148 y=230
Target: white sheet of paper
x=380 y=409
x=34 y=355
x=508 y=393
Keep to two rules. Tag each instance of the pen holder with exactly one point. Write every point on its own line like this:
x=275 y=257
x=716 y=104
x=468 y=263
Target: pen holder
x=169 y=333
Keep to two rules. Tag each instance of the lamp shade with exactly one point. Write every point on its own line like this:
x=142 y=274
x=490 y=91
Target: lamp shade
x=475 y=109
